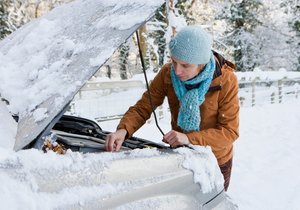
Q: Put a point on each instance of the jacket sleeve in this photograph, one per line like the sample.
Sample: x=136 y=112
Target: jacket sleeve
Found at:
x=137 y=115
x=227 y=126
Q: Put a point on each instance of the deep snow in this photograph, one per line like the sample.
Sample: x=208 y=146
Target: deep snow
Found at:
x=266 y=159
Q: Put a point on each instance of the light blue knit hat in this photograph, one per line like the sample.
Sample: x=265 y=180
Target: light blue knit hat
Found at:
x=192 y=45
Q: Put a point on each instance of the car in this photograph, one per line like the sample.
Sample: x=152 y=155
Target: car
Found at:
x=45 y=63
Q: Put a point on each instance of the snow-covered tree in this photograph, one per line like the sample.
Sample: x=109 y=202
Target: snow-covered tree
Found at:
x=18 y=13
x=4 y=27
x=12 y=16
x=273 y=34
x=242 y=18
x=15 y=13
x=158 y=28
x=292 y=9
x=278 y=40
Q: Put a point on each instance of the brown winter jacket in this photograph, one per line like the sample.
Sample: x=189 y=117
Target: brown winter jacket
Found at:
x=219 y=112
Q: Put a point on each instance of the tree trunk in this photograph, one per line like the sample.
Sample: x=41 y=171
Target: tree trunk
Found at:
x=144 y=45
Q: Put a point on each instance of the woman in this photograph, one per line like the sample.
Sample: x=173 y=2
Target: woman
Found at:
x=202 y=93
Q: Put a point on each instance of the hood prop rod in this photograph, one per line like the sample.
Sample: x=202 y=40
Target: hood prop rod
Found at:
x=147 y=84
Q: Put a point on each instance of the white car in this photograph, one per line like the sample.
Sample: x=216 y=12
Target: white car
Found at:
x=45 y=63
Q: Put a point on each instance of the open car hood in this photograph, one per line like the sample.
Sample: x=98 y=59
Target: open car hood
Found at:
x=47 y=61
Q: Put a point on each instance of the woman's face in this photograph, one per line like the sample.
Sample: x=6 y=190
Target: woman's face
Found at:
x=185 y=71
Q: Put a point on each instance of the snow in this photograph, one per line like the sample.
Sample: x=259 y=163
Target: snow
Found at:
x=210 y=177
x=8 y=128
x=31 y=179
x=32 y=69
x=40 y=114
x=266 y=159
x=261 y=75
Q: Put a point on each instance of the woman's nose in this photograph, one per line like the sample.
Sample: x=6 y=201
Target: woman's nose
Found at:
x=178 y=70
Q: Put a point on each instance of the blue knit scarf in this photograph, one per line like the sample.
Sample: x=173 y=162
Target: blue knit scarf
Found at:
x=190 y=100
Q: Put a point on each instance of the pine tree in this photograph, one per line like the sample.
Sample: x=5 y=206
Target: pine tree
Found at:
x=158 y=34
x=185 y=8
x=15 y=13
x=4 y=27
x=242 y=18
x=292 y=9
x=124 y=53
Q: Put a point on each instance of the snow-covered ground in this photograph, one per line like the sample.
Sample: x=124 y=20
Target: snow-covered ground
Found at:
x=266 y=161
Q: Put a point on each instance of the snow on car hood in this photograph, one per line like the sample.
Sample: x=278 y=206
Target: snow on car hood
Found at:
x=51 y=181
x=46 y=62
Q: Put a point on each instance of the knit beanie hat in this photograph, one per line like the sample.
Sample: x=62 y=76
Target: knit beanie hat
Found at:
x=192 y=45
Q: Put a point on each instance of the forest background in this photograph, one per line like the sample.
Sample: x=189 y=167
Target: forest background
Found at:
x=261 y=34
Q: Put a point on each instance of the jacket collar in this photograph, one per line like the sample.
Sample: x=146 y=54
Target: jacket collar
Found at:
x=219 y=63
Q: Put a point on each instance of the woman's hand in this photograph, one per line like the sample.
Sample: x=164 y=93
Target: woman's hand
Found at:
x=115 y=140
x=175 y=139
